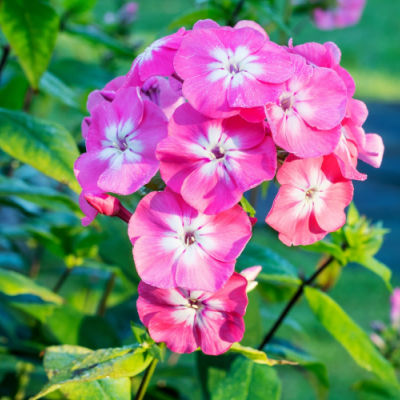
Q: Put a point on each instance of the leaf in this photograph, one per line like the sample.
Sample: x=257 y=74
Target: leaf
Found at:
x=330 y=248
x=74 y=364
x=44 y=145
x=42 y=196
x=349 y=335
x=248 y=380
x=190 y=18
x=247 y=207
x=14 y=284
x=94 y=35
x=376 y=390
x=53 y=86
x=258 y=356
x=378 y=268
x=31 y=28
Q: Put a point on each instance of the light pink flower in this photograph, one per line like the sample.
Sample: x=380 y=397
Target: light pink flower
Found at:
x=186 y=320
x=395 y=307
x=305 y=120
x=346 y=13
x=156 y=59
x=311 y=200
x=251 y=274
x=121 y=144
x=226 y=68
x=176 y=246
x=211 y=162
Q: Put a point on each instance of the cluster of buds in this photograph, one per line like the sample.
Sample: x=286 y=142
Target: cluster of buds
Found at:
x=209 y=108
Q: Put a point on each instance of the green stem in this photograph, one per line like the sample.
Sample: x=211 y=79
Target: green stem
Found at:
x=101 y=310
x=146 y=380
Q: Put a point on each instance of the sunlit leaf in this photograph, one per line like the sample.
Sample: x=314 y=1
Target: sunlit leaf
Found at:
x=377 y=268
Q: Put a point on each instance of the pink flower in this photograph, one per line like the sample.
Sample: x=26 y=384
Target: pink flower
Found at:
x=395 y=307
x=305 y=120
x=186 y=320
x=156 y=60
x=211 y=162
x=311 y=201
x=226 y=68
x=251 y=274
x=175 y=245
x=121 y=144
x=346 y=13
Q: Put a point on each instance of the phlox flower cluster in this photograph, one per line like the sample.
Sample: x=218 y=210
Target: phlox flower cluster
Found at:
x=217 y=111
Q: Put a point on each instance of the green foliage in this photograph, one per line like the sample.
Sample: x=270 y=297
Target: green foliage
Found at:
x=31 y=28
x=46 y=146
x=349 y=335
x=376 y=390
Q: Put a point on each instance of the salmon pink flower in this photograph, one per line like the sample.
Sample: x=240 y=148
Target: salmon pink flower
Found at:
x=305 y=120
x=226 y=68
x=211 y=162
x=188 y=319
x=121 y=144
x=176 y=246
x=345 y=13
x=311 y=201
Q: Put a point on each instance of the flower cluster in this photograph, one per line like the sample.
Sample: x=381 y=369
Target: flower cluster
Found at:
x=215 y=110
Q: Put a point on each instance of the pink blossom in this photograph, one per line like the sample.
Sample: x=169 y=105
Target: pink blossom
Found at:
x=188 y=319
x=211 y=162
x=311 y=200
x=121 y=144
x=345 y=13
x=395 y=307
x=156 y=59
x=175 y=245
x=226 y=68
x=305 y=120
x=251 y=274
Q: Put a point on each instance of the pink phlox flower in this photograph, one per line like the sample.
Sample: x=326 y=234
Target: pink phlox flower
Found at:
x=211 y=162
x=251 y=274
x=156 y=59
x=345 y=13
x=176 y=246
x=311 y=200
x=395 y=307
x=224 y=69
x=188 y=319
x=305 y=119
x=121 y=144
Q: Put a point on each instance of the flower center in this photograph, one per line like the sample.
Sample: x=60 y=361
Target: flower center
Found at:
x=217 y=153
x=189 y=238
x=233 y=69
x=311 y=193
x=286 y=101
x=121 y=144
x=194 y=303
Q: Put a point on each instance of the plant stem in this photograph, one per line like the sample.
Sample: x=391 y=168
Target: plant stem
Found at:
x=66 y=273
x=101 y=310
x=6 y=52
x=146 y=380
x=28 y=99
x=293 y=301
x=235 y=12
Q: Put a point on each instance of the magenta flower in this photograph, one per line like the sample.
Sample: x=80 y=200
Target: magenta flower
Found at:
x=226 y=68
x=345 y=13
x=121 y=144
x=311 y=200
x=305 y=120
x=211 y=162
x=395 y=307
x=186 y=320
x=177 y=246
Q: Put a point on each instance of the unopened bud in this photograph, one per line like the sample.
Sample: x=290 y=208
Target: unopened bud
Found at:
x=108 y=205
x=251 y=274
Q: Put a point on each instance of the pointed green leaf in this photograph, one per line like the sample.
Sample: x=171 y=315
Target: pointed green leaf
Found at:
x=31 y=28
x=349 y=335
x=247 y=207
x=378 y=268
x=44 y=145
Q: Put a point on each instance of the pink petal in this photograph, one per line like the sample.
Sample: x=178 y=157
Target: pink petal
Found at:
x=253 y=25
x=372 y=153
x=88 y=168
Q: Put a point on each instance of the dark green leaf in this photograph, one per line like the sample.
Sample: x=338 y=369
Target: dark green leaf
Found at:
x=44 y=145
x=349 y=335
x=376 y=390
x=31 y=28
x=190 y=18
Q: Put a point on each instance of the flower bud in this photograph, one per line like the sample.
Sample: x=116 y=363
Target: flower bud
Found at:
x=251 y=274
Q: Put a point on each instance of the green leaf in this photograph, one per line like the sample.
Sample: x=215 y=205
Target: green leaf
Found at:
x=53 y=86
x=330 y=248
x=31 y=28
x=191 y=17
x=74 y=364
x=14 y=284
x=378 y=268
x=248 y=380
x=376 y=390
x=349 y=335
x=44 y=145
x=247 y=207
x=42 y=196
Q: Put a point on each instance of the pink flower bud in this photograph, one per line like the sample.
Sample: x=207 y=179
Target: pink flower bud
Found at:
x=251 y=274
x=395 y=307
x=253 y=220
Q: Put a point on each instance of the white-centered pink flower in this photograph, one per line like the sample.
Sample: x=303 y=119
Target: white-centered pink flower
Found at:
x=311 y=200
x=176 y=246
x=227 y=68
x=345 y=13
x=121 y=143
x=188 y=319
x=211 y=162
x=305 y=120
